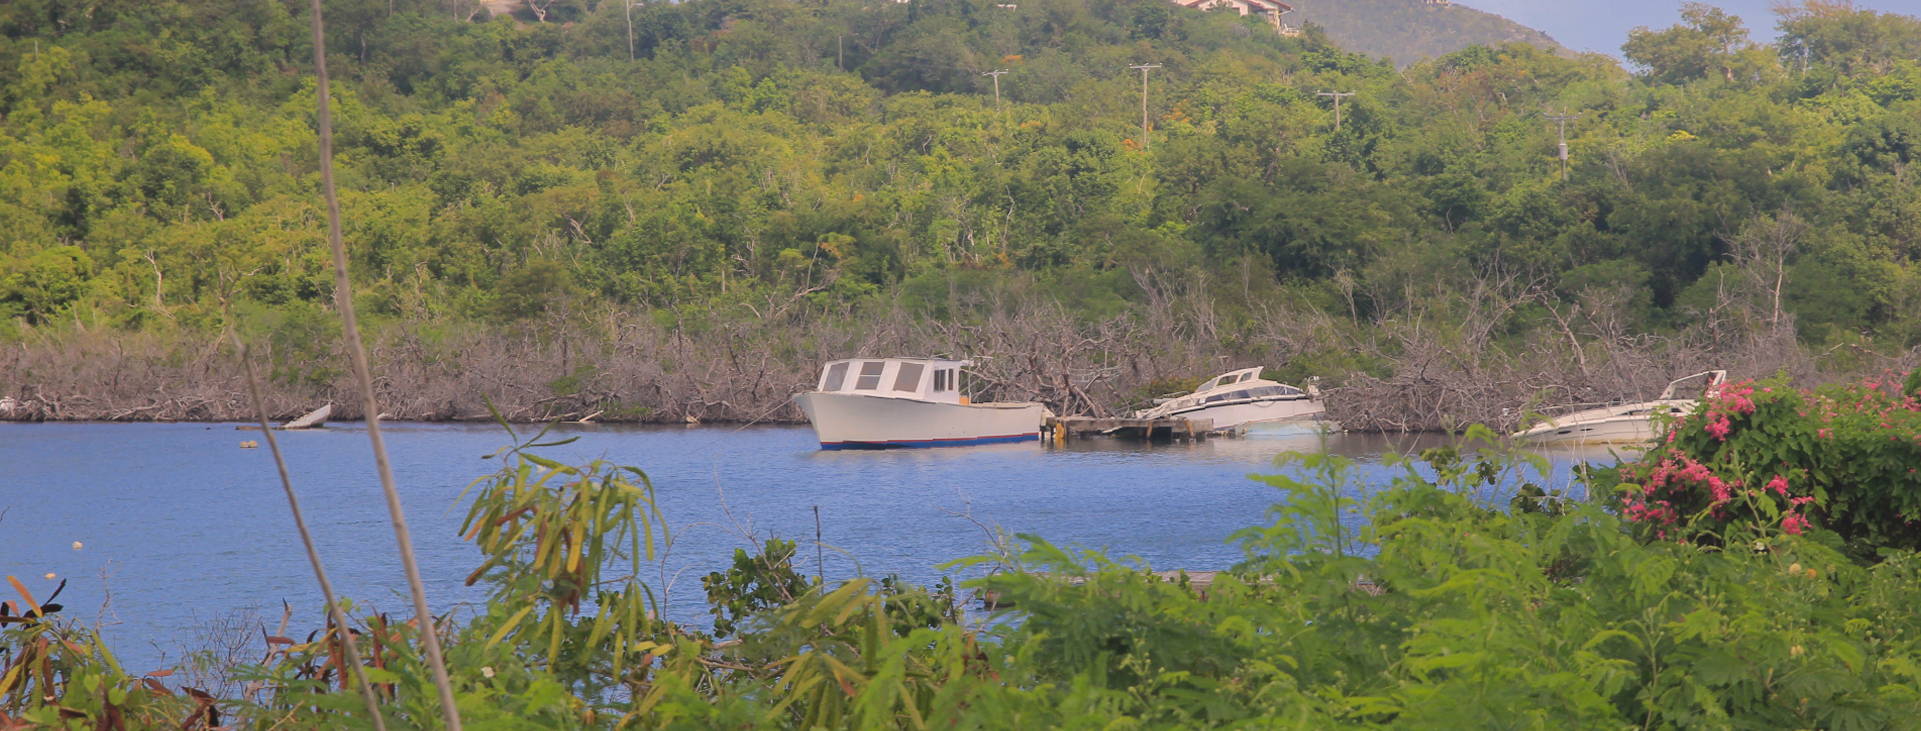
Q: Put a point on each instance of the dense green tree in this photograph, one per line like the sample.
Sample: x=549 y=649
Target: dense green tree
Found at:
x=842 y=150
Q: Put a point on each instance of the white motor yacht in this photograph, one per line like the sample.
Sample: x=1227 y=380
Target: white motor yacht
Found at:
x=1241 y=399
x=882 y=403
x=1623 y=423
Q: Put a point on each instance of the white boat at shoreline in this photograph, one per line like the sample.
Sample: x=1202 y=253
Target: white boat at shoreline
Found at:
x=885 y=403
x=1240 y=399
x=1626 y=423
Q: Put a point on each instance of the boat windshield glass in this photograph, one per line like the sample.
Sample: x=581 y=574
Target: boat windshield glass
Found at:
x=870 y=375
x=836 y=377
x=1255 y=392
x=908 y=378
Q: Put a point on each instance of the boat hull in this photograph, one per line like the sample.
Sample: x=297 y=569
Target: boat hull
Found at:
x=1623 y=424
x=1315 y=424
x=1242 y=415
x=1615 y=430
x=861 y=421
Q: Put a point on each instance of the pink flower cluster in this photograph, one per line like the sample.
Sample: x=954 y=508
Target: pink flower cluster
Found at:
x=1792 y=522
x=1678 y=481
x=1737 y=398
x=1779 y=485
x=1675 y=477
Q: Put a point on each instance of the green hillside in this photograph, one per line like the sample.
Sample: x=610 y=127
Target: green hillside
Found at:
x=811 y=179
x=1406 y=31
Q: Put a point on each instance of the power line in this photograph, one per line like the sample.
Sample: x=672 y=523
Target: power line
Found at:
x=1337 y=95
x=1146 y=144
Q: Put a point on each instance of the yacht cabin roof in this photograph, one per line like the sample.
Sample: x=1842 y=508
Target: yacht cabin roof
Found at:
x=1230 y=378
x=1237 y=386
x=923 y=379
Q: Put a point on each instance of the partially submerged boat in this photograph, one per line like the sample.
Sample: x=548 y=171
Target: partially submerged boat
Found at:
x=1241 y=400
x=315 y=419
x=1623 y=423
x=882 y=403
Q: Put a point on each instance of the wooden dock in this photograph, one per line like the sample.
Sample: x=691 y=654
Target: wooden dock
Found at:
x=1060 y=430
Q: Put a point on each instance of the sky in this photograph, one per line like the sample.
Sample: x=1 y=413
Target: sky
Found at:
x=1602 y=25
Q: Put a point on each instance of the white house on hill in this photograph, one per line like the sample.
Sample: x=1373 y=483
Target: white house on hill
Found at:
x=1268 y=10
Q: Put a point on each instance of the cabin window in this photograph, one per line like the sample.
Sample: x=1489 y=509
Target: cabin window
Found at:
x=1247 y=376
x=943 y=380
x=870 y=375
x=908 y=379
x=836 y=377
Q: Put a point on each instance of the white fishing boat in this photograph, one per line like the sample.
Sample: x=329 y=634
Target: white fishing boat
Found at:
x=1625 y=423
x=883 y=403
x=1241 y=400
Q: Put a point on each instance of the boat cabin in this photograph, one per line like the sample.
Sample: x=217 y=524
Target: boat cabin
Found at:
x=1713 y=381
x=923 y=379
x=1230 y=378
x=1244 y=385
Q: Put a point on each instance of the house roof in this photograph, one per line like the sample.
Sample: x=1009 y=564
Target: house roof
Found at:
x=1267 y=6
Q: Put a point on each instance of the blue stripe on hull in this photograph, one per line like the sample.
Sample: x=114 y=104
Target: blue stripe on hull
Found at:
x=922 y=443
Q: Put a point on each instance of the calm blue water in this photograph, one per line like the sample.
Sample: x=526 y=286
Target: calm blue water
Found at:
x=180 y=526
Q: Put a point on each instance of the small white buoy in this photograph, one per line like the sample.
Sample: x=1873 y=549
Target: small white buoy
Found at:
x=50 y=575
x=77 y=545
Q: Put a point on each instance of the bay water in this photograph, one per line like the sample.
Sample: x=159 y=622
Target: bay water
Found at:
x=171 y=534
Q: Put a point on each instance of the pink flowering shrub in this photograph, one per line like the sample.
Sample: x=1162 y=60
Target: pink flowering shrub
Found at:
x=1766 y=457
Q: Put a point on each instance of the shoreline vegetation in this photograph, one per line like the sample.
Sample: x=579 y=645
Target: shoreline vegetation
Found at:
x=1411 y=371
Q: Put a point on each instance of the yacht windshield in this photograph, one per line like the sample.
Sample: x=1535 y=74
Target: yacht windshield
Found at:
x=870 y=375
x=836 y=377
x=908 y=378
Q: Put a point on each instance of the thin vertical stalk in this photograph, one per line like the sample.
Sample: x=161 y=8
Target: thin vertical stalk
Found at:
x=363 y=376
x=306 y=539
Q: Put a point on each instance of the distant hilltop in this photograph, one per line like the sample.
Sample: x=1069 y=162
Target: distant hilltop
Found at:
x=1403 y=31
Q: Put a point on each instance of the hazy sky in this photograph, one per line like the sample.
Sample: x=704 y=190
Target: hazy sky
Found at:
x=1602 y=25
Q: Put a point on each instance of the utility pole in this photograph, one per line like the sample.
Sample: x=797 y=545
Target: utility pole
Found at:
x=1562 y=119
x=1337 y=105
x=1146 y=144
x=630 y=28
x=996 y=73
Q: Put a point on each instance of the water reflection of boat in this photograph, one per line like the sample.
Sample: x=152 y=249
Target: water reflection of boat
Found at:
x=1620 y=423
x=1307 y=427
x=1238 y=400
x=883 y=403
